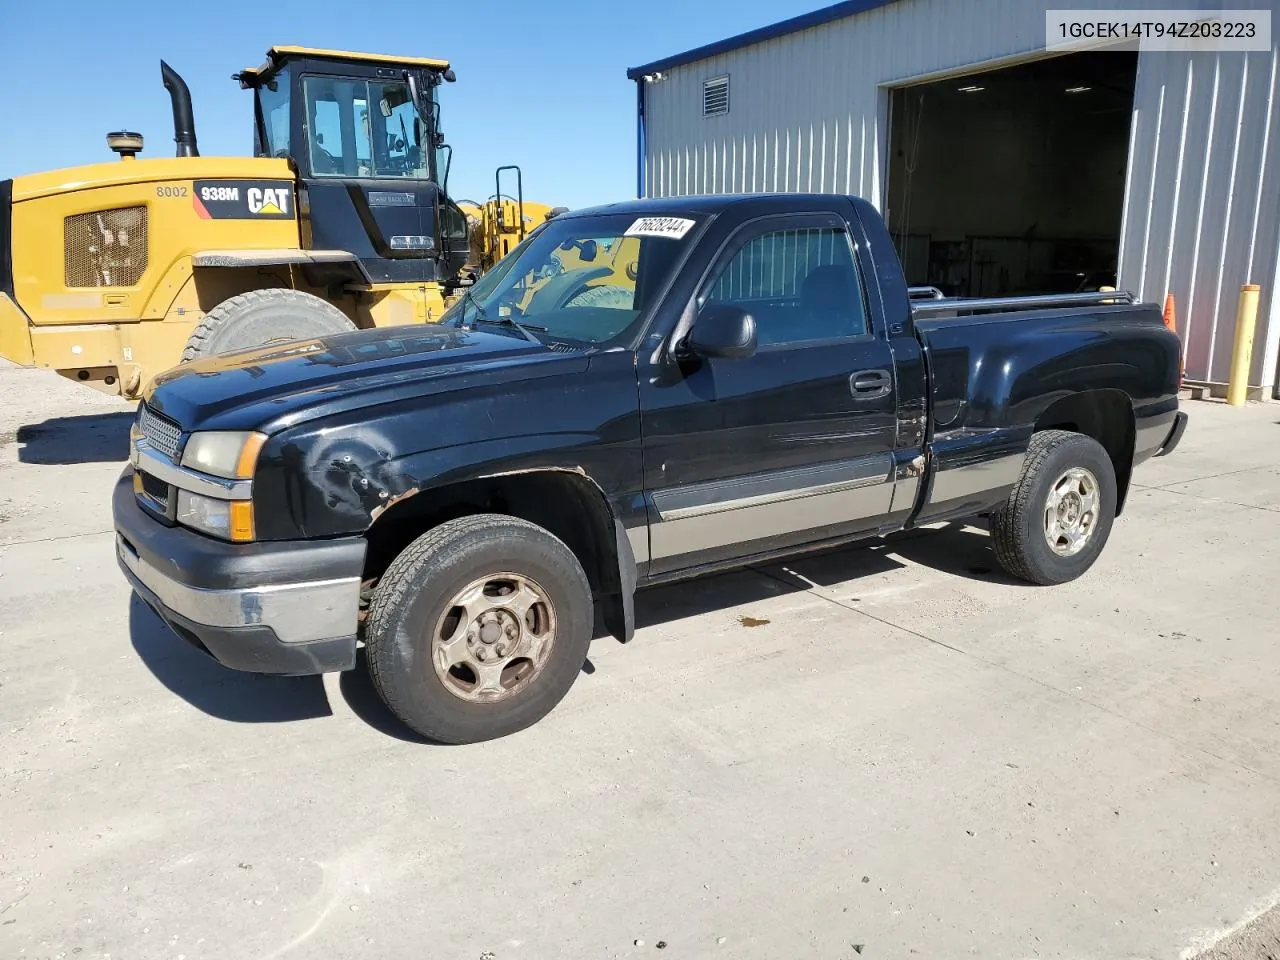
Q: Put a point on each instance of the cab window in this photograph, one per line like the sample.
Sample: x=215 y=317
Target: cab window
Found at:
x=361 y=128
x=800 y=285
x=273 y=103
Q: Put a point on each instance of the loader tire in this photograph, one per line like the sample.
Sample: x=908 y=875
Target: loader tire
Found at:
x=260 y=318
x=1059 y=514
x=611 y=297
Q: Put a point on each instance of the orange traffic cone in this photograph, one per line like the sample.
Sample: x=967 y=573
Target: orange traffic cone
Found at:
x=1171 y=321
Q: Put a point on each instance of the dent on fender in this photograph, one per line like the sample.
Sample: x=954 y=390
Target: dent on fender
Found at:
x=356 y=478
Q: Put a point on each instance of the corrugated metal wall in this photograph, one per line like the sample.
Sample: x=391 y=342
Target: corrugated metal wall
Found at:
x=1202 y=214
x=809 y=112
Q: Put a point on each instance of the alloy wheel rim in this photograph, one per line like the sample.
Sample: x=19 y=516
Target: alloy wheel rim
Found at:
x=1071 y=511
x=494 y=638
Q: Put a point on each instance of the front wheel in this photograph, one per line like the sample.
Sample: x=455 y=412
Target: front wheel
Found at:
x=479 y=628
x=1059 y=514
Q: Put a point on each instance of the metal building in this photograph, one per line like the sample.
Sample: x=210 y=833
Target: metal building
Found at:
x=1171 y=171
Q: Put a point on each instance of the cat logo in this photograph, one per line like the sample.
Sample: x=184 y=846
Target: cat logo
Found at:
x=268 y=202
x=242 y=200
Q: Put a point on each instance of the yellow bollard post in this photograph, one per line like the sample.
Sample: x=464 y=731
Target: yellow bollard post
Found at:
x=1242 y=352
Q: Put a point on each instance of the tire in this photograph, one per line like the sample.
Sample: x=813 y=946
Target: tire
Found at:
x=262 y=317
x=617 y=298
x=1021 y=527
x=418 y=600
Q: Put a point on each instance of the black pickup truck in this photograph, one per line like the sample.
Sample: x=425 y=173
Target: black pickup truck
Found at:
x=639 y=393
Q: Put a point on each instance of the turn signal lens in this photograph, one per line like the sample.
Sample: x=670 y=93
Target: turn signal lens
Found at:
x=248 y=461
x=241 y=520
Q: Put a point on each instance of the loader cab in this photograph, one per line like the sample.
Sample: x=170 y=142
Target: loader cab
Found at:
x=363 y=133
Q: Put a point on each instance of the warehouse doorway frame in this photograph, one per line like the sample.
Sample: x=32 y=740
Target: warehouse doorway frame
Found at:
x=981 y=253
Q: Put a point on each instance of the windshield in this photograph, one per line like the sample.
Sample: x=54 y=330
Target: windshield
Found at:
x=581 y=279
x=364 y=128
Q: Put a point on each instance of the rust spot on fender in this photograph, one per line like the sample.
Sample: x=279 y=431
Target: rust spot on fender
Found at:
x=515 y=473
x=382 y=508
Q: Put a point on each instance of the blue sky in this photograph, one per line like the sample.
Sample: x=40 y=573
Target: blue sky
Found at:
x=541 y=84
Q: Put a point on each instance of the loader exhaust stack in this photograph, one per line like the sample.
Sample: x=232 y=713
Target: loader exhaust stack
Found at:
x=184 y=121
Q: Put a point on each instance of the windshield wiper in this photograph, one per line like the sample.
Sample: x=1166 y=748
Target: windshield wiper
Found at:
x=470 y=295
x=524 y=328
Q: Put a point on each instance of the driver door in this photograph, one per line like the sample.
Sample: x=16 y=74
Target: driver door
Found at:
x=746 y=455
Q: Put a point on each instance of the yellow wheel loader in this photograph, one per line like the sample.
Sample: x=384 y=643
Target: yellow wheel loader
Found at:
x=113 y=272
x=501 y=222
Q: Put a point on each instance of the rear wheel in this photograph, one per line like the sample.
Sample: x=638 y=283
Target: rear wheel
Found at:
x=479 y=628
x=260 y=318
x=1059 y=514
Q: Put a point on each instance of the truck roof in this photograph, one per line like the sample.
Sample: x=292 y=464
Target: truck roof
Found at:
x=708 y=203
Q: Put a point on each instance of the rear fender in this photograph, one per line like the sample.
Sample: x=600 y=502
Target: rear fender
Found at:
x=994 y=384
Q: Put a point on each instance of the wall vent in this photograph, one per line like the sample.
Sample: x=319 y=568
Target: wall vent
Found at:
x=715 y=97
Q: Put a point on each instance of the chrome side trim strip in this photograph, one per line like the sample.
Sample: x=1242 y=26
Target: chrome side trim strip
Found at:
x=777 y=517
x=976 y=478
x=905 y=492
x=639 y=537
x=777 y=486
x=296 y=612
x=146 y=458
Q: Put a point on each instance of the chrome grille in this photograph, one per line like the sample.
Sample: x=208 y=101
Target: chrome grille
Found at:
x=161 y=433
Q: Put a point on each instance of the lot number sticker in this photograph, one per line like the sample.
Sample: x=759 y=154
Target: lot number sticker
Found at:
x=671 y=227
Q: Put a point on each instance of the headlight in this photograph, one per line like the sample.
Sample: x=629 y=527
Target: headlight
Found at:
x=232 y=454
x=225 y=519
x=135 y=434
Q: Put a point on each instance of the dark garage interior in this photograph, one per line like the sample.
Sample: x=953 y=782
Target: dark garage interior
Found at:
x=1011 y=181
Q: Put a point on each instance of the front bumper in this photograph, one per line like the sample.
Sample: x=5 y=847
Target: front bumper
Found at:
x=283 y=607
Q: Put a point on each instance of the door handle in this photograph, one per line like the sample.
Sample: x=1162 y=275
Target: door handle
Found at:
x=869 y=384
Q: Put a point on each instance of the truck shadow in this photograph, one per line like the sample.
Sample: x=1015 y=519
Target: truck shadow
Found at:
x=212 y=688
x=93 y=438
x=956 y=549
x=359 y=694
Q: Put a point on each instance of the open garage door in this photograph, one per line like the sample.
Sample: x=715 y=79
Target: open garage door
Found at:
x=1011 y=181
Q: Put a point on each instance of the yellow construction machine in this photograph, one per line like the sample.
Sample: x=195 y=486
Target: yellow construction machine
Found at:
x=112 y=272
x=501 y=222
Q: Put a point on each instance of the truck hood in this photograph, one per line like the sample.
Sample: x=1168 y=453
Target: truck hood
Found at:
x=271 y=388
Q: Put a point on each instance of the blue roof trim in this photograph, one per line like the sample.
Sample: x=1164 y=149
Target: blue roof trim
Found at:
x=837 y=11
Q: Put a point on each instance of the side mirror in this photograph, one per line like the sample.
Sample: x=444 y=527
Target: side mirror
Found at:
x=723 y=330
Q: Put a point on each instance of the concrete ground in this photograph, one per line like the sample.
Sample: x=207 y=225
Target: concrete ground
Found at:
x=879 y=752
